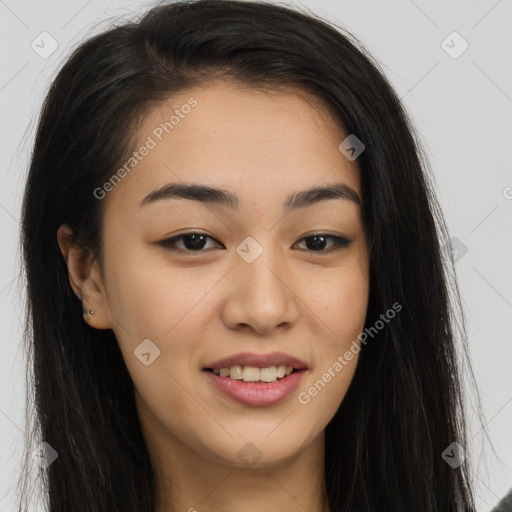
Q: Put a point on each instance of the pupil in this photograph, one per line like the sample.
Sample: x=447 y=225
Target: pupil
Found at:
x=316 y=246
x=198 y=241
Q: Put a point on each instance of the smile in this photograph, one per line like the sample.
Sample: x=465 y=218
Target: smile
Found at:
x=254 y=374
x=256 y=379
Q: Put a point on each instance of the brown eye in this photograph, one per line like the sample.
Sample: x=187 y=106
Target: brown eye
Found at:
x=318 y=242
x=191 y=242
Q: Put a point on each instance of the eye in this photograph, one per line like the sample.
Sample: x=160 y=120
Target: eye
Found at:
x=196 y=242
x=317 y=242
x=192 y=241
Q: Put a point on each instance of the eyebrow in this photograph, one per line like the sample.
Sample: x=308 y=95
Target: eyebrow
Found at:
x=221 y=197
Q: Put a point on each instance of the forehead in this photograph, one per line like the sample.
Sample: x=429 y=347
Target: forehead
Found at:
x=254 y=142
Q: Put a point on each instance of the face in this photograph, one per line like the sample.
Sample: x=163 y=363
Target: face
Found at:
x=271 y=278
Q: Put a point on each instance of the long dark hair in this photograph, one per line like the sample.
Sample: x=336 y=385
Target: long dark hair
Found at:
x=405 y=405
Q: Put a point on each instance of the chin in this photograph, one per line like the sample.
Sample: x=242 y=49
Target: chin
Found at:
x=261 y=451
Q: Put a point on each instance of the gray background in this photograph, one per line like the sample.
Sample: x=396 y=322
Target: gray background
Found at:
x=462 y=108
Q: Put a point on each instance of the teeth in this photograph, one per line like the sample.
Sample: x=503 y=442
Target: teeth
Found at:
x=268 y=374
x=253 y=374
x=235 y=372
x=250 y=374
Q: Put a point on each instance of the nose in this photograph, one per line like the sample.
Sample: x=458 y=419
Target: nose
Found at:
x=260 y=296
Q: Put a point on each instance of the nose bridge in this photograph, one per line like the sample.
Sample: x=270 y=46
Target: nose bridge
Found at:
x=260 y=296
x=260 y=273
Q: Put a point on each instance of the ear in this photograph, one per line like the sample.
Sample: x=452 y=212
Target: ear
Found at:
x=85 y=279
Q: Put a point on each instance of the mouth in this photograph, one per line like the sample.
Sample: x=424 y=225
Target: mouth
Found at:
x=256 y=380
x=250 y=367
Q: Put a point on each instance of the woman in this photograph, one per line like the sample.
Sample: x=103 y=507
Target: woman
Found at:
x=237 y=294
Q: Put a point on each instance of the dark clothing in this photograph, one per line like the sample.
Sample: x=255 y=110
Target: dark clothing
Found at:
x=505 y=505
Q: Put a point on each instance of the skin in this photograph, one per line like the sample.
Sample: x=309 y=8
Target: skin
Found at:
x=200 y=307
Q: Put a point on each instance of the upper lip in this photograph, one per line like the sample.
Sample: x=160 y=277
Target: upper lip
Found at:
x=258 y=361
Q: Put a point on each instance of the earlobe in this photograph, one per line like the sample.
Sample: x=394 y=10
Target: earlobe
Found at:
x=94 y=308
x=85 y=279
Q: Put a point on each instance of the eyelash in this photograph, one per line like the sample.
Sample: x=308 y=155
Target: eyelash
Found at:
x=170 y=243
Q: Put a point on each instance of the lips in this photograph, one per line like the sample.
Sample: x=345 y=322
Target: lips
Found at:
x=257 y=361
x=256 y=379
x=254 y=394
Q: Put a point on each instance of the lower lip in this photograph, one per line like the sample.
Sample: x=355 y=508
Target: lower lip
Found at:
x=257 y=394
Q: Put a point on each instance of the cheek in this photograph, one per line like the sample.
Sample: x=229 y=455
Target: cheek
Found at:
x=156 y=327
x=340 y=303
x=170 y=317
x=336 y=352
x=339 y=298
x=153 y=300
